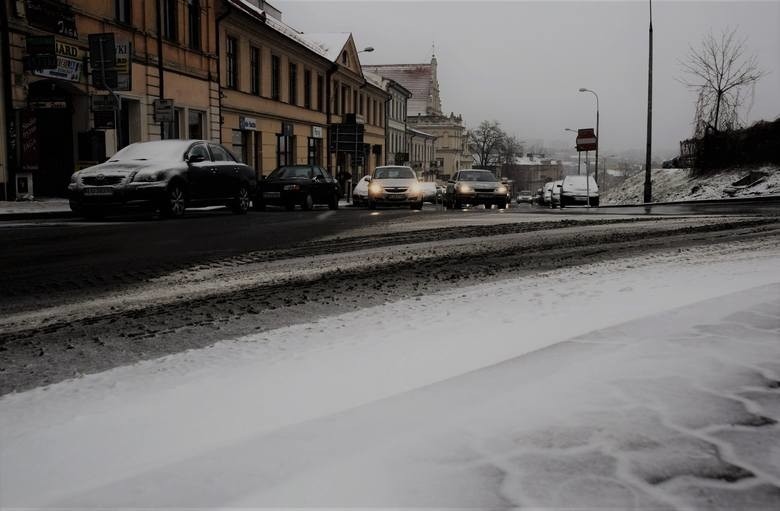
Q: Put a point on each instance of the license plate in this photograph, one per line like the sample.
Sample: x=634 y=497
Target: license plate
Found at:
x=484 y=195
x=98 y=192
x=396 y=196
x=271 y=195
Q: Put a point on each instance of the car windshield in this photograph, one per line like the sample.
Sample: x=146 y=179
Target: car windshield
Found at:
x=161 y=150
x=394 y=173
x=291 y=173
x=476 y=175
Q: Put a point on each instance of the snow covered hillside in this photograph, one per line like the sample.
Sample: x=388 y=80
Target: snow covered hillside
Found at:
x=677 y=185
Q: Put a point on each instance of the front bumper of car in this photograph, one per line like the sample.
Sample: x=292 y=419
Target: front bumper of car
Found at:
x=480 y=197
x=125 y=195
x=385 y=197
x=576 y=200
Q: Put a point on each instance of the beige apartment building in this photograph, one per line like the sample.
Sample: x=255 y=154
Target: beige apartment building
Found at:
x=56 y=118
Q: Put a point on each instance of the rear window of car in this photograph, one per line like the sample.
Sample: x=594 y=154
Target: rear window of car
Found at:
x=292 y=173
x=394 y=173
x=476 y=175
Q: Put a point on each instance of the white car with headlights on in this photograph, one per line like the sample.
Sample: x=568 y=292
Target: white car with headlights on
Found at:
x=473 y=186
x=395 y=185
x=360 y=192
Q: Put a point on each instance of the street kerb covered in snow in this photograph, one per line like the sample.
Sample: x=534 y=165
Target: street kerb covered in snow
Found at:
x=647 y=382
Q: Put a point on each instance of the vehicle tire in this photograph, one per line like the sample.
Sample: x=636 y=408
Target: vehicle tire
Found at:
x=371 y=204
x=308 y=202
x=417 y=206
x=456 y=204
x=502 y=205
x=175 y=201
x=241 y=203
x=290 y=206
x=333 y=203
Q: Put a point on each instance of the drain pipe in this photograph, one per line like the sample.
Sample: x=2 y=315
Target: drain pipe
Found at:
x=217 y=20
x=160 y=67
x=10 y=116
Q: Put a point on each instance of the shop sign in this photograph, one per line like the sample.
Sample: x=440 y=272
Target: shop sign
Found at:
x=67 y=69
x=316 y=132
x=45 y=105
x=52 y=16
x=41 y=52
x=163 y=110
x=29 y=142
x=247 y=124
x=112 y=58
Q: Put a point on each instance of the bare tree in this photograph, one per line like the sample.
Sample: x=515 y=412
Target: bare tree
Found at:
x=485 y=143
x=509 y=149
x=719 y=71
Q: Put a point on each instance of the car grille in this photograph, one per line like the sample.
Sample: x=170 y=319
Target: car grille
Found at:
x=396 y=189
x=104 y=181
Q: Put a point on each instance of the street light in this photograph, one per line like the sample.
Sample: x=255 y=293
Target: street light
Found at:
x=648 y=181
x=598 y=142
x=367 y=49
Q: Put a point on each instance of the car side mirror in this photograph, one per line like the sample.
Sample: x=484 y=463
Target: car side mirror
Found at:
x=196 y=158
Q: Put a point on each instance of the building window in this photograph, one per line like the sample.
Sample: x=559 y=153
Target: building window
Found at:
x=123 y=11
x=293 y=86
x=354 y=101
x=232 y=62
x=275 y=77
x=239 y=145
x=193 y=17
x=361 y=104
x=169 y=19
x=320 y=93
x=344 y=58
x=306 y=88
x=315 y=151
x=284 y=150
x=173 y=129
x=254 y=70
x=195 y=122
x=344 y=95
x=337 y=105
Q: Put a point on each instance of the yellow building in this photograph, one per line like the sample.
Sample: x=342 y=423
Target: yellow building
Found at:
x=55 y=117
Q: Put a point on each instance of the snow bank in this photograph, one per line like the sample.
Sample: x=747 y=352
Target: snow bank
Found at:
x=677 y=185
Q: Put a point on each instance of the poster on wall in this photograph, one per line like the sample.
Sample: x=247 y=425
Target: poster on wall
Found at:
x=29 y=142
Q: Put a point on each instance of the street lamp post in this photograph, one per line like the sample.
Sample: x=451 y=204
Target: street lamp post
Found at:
x=598 y=141
x=648 y=181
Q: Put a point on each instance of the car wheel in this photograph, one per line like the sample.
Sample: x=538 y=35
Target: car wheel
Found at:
x=175 y=202
x=241 y=202
x=417 y=206
x=456 y=204
x=371 y=204
x=334 y=202
x=502 y=205
x=289 y=206
x=308 y=202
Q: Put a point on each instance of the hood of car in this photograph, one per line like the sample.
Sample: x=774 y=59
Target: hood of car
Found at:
x=395 y=183
x=481 y=185
x=125 y=167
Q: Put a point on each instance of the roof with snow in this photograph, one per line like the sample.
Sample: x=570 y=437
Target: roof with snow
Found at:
x=329 y=44
x=419 y=79
x=374 y=79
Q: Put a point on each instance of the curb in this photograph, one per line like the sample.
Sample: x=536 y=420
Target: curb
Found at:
x=35 y=215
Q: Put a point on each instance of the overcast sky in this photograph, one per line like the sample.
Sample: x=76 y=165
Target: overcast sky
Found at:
x=522 y=63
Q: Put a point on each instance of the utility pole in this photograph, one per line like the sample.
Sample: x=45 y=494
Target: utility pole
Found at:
x=648 y=181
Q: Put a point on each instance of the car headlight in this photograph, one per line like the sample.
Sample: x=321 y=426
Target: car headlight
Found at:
x=415 y=189
x=375 y=188
x=74 y=178
x=147 y=177
x=465 y=189
x=501 y=189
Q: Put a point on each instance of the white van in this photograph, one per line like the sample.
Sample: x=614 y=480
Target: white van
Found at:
x=576 y=190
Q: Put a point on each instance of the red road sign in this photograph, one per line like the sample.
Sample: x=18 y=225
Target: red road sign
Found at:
x=586 y=140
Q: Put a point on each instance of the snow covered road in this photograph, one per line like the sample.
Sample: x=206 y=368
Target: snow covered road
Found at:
x=647 y=382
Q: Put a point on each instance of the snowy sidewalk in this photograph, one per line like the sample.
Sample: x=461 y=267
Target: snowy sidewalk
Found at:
x=649 y=382
x=39 y=208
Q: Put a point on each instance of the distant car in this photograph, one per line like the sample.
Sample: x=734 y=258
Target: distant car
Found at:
x=555 y=194
x=575 y=190
x=525 y=196
x=395 y=185
x=539 y=198
x=430 y=191
x=169 y=175
x=304 y=185
x=547 y=193
x=360 y=192
x=474 y=186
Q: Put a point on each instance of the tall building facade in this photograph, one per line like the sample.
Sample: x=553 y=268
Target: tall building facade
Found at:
x=424 y=113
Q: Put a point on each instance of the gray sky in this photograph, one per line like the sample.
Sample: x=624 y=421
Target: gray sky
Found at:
x=522 y=63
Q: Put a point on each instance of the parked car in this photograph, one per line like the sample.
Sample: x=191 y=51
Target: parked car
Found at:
x=360 y=192
x=473 y=186
x=430 y=192
x=525 y=196
x=555 y=194
x=577 y=189
x=304 y=185
x=167 y=175
x=395 y=185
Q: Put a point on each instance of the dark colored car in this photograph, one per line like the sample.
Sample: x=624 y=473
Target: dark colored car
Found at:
x=168 y=175
x=304 y=185
x=474 y=186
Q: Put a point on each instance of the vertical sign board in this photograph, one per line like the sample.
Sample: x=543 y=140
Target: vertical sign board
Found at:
x=29 y=141
x=586 y=140
x=53 y=16
x=67 y=64
x=123 y=65
x=163 y=110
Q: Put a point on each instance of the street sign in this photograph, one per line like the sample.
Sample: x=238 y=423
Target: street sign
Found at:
x=41 y=52
x=102 y=51
x=586 y=140
x=163 y=110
